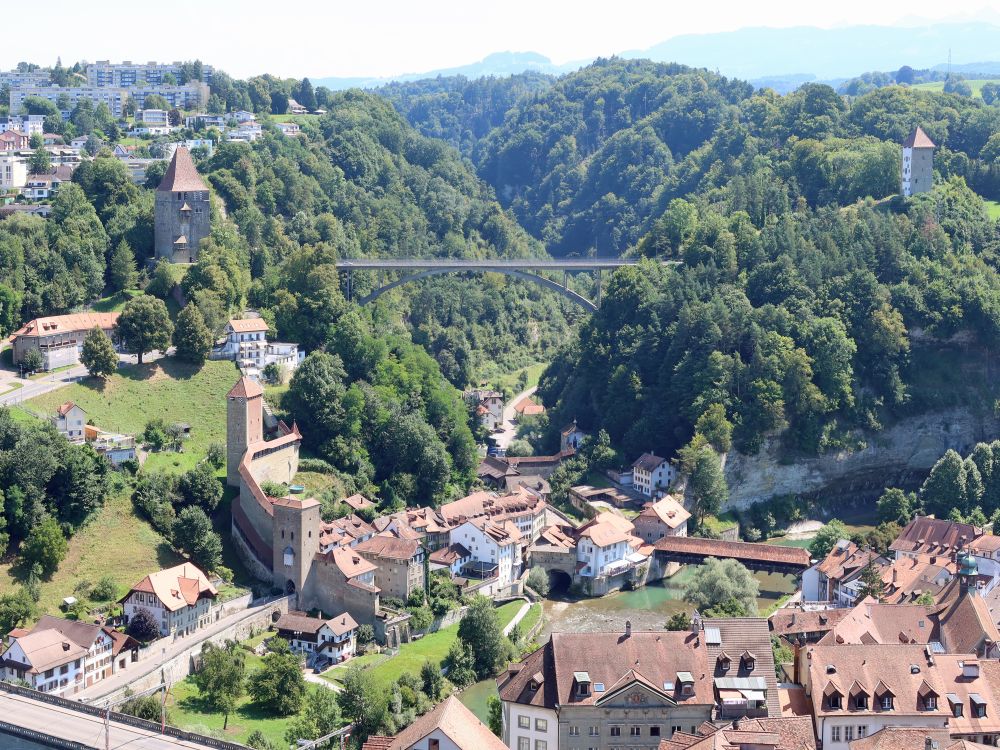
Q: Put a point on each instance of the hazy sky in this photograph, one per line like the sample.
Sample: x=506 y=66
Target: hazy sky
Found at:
x=388 y=37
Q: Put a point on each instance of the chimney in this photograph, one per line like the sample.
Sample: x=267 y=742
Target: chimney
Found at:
x=628 y=628
x=793 y=618
x=930 y=744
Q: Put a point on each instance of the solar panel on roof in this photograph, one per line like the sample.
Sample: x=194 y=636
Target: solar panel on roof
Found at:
x=713 y=637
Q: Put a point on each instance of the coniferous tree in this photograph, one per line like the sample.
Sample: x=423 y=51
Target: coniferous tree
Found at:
x=191 y=336
x=122 y=272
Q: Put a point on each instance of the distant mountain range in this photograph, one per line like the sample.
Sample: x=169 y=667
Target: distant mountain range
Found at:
x=782 y=58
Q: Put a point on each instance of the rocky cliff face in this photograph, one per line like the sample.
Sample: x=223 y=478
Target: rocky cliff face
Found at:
x=899 y=456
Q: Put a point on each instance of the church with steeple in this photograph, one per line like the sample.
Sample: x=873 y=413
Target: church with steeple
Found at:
x=182 y=216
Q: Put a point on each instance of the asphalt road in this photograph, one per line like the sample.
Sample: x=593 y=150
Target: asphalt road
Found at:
x=88 y=730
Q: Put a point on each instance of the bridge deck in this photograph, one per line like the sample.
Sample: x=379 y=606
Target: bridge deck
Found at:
x=567 y=264
x=64 y=723
x=685 y=548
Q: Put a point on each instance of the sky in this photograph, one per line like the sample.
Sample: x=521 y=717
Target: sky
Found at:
x=320 y=38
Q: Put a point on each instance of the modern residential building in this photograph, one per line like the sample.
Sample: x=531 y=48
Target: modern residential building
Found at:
x=188 y=96
x=65 y=656
x=28 y=124
x=59 y=338
x=651 y=473
x=42 y=187
x=152 y=117
x=637 y=689
x=288 y=128
x=448 y=726
x=322 y=641
x=182 y=211
x=13 y=171
x=70 y=421
x=918 y=163
x=246 y=344
x=399 y=564
x=665 y=517
x=180 y=598
x=17 y=78
x=14 y=140
x=127 y=74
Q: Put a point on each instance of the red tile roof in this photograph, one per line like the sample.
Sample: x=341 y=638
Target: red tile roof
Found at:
x=246 y=388
x=181 y=175
x=763 y=553
x=918 y=139
x=56 y=324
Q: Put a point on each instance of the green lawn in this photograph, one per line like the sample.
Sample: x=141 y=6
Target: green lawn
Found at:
x=509 y=379
x=528 y=621
x=115 y=302
x=993 y=209
x=411 y=657
x=172 y=390
x=115 y=542
x=975 y=85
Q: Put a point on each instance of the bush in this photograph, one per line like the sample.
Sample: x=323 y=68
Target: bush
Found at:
x=216 y=455
x=104 y=590
x=538 y=581
x=143 y=626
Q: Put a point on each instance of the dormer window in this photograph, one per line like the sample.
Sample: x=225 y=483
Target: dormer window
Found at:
x=724 y=662
x=833 y=701
x=582 y=680
x=886 y=702
x=860 y=702
x=978 y=705
x=955 y=703
x=748 y=660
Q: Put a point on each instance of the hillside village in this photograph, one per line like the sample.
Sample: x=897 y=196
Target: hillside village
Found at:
x=882 y=636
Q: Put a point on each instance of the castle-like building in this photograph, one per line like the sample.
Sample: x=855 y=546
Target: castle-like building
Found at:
x=181 y=211
x=278 y=538
x=918 y=163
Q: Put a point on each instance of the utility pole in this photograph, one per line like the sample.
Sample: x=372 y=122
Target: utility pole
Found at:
x=109 y=704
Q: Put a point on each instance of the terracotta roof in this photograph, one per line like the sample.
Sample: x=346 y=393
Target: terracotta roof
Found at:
x=904 y=670
x=656 y=659
x=344 y=530
x=604 y=530
x=302 y=623
x=54 y=641
x=768 y=553
x=934 y=536
x=790 y=621
x=918 y=139
x=492 y=505
x=902 y=738
x=177 y=587
x=181 y=174
x=871 y=622
x=74 y=322
x=556 y=536
x=844 y=557
x=794 y=701
x=668 y=511
x=246 y=388
x=528 y=406
x=906 y=578
x=494 y=468
x=450 y=554
x=456 y=722
x=248 y=325
x=985 y=544
x=390 y=547
x=648 y=462
x=377 y=742
x=502 y=534
x=358 y=502
x=65 y=408
x=965 y=622
x=350 y=563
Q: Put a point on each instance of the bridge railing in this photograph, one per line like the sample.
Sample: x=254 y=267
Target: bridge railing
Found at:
x=120 y=718
x=41 y=737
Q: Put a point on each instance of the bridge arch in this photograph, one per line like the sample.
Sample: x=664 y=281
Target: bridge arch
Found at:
x=568 y=293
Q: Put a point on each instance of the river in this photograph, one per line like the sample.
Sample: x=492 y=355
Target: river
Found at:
x=647 y=608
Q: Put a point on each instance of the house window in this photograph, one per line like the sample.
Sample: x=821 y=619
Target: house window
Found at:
x=834 y=701
x=834 y=734
x=862 y=730
x=861 y=702
x=635 y=732
x=574 y=731
x=523 y=722
x=930 y=703
x=654 y=731
x=956 y=710
x=541 y=745
x=848 y=734
x=616 y=731
x=433 y=744
x=595 y=731
x=886 y=702
x=674 y=729
x=979 y=710
x=523 y=743
x=541 y=725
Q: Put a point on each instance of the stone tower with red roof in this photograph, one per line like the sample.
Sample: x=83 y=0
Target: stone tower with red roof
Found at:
x=918 y=163
x=181 y=212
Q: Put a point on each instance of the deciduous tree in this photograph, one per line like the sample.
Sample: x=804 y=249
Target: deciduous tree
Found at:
x=144 y=325
x=191 y=336
x=278 y=686
x=222 y=677
x=99 y=355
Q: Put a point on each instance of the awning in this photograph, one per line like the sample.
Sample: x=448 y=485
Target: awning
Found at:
x=753 y=695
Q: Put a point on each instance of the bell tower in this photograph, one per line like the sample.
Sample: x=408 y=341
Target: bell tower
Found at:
x=244 y=424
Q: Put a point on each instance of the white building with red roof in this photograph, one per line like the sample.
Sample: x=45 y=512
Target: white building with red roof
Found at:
x=180 y=598
x=59 y=338
x=246 y=344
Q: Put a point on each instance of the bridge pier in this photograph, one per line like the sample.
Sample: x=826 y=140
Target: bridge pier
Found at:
x=599 y=280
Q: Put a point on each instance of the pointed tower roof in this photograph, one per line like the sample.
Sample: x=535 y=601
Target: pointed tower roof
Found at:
x=181 y=174
x=918 y=139
x=245 y=388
